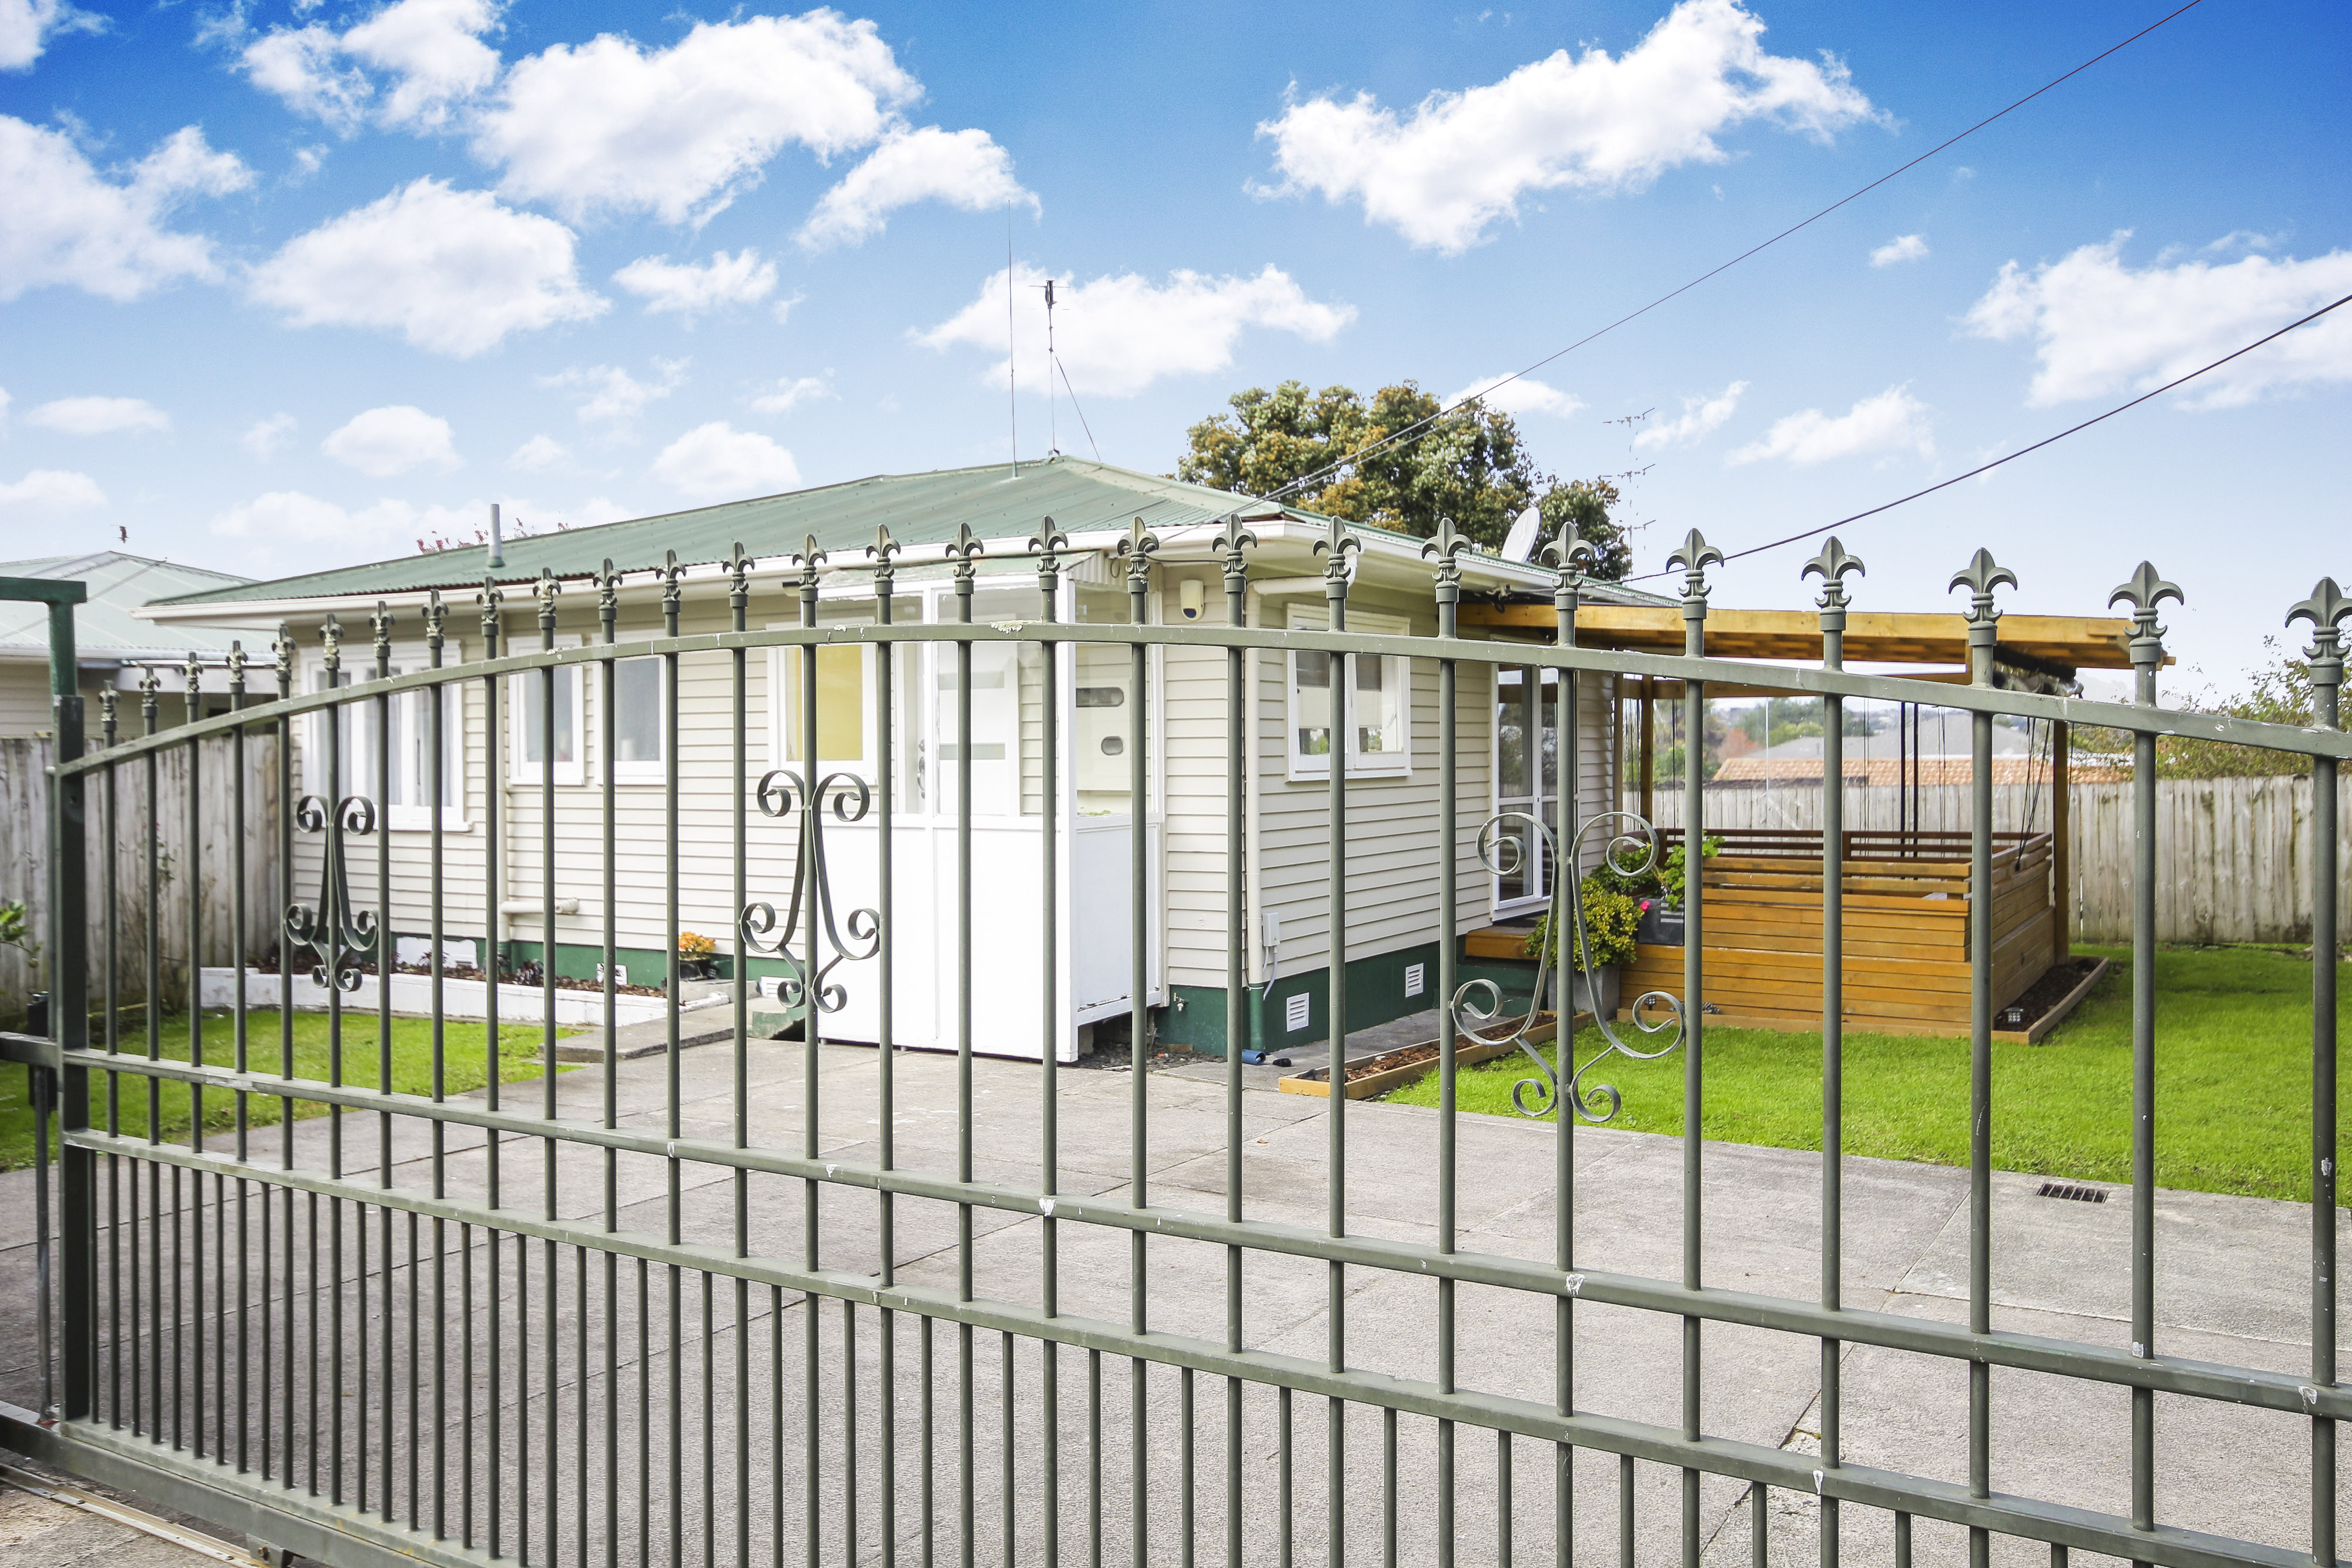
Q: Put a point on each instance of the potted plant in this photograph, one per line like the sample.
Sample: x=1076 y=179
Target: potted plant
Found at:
x=697 y=956
x=1611 y=917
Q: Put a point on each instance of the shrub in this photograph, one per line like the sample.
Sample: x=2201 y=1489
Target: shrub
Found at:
x=1611 y=918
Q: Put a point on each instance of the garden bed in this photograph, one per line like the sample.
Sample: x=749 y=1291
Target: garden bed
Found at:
x=1371 y=1076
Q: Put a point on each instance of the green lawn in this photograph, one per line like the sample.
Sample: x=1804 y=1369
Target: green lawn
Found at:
x=465 y=1065
x=2232 y=1089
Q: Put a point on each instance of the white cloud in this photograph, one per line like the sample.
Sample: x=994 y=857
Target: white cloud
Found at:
x=435 y=48
x=453 y=271
x=2101 y=327
x=1902 y=248
x=608 y=394
x=392 y=440
x=26 y=26
x=539 y=454
x=965 y=168
x=297 y=66
x=99 y=415
x=4 y=400
x=789 y=393
x=284 y=518
x=430 y=50
x=266 y=435
x=719 y=462
x=1894 y=420
x=688 y=291
x=64 y=223
x=1524 y=395
x=1701 y=416
x=52 y=491
x=1460 y=163
x=611 y=126
x=1118 y=335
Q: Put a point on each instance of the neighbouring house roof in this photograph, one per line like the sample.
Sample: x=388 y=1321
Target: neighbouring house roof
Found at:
x=1759 y=771
x=106 y=630
x=922 y=511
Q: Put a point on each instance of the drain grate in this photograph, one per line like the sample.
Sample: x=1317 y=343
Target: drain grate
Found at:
x=2068 y=1190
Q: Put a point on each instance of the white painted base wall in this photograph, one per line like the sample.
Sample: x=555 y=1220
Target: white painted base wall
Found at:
x=459 y=999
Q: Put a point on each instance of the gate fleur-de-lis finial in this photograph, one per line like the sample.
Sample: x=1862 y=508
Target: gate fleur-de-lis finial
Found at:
x=672 y=573
x=1832 y=566
x=965 y=550
x=1231 y=540
x=331 y=643
x=380 y=638
x=738 y=585
x=150 y=686
x=236 y=663
x=2326 y=610
x=1138 y=548
x=1339 y=542
x=490 y=598
x=544 y=590
x=1980 y=577
x=1445 y=547
x=1046 y=544
x=1573 y=561
x=191 y=672
x=2144 y=592
x=808 y=557
x=435 y=614
x=107 y=717
x=281 y=655
x=1695 y=555
x=608 y=599
x=883 y=548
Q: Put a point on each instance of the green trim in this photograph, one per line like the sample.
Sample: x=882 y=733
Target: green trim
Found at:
x=1375 y=995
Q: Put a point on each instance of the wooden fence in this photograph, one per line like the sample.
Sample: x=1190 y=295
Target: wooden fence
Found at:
x=2234 y=856
x=24 y=871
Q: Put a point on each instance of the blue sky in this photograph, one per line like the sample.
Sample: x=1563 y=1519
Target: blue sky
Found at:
x=289 y=286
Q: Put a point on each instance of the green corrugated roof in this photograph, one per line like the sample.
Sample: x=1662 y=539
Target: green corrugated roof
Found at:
x=104 y=626
x=918 y=509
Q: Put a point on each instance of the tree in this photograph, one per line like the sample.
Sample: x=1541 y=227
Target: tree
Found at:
x=2277 y=692
x=1469 y=464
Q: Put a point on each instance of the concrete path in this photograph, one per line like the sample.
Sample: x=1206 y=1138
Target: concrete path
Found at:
x=2233 y=1287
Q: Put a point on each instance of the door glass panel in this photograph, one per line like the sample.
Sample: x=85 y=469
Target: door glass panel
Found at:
x=1105 y=692
x=1511 y=734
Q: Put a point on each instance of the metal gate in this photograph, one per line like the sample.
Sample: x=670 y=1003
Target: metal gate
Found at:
x=630 y=1319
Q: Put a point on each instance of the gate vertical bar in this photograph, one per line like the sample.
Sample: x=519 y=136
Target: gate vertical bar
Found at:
x=1229 y=543
x=1832 y=566
x=608 y=614
x=1048 y=542
x=1573 y=558
x=1138 y=548
x=1447 y=592
x=809 y=886
x=1693 y=556
x=738 y=604
x=2144 y=592
x=386 y=953
x=436 y=698
x=1340 y=543
x=1982 y=576
x=965 y=550
x=548 y=588
x=885 y=660
x=2324 y=609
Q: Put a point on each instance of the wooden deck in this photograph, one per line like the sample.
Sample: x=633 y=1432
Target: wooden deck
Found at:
x=1907 y=930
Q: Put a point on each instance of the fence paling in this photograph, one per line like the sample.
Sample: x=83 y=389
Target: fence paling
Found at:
x=25 y=787
x=1379 y=1415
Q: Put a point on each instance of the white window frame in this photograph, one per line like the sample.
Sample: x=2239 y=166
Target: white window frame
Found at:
x=632 y=772
x=1303 y=767
x=781 y=671
x=522 y=774
x=361 y=774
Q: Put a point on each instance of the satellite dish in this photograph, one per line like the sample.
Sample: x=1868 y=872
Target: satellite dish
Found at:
x=1521 y=543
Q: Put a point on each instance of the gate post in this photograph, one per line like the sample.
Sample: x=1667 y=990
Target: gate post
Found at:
x=69 y=984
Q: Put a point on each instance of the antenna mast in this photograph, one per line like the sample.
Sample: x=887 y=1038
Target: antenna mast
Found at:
x=1052 y=426
x=1012 y=387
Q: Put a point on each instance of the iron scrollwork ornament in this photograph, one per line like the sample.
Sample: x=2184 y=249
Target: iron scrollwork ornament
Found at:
x=782 y=792
x=1632 y=852
x=343 y=936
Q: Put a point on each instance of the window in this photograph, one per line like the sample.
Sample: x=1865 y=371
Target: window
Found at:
x=408 y=798
x=1374 y=713
x=844 y=693
x=637 y=721
x=527 y=715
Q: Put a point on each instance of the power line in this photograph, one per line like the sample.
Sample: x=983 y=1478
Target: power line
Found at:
x=1418 y=425
x=2045 y=441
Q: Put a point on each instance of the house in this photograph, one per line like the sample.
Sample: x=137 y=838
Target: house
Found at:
x=1506 y=725
x=112 y=645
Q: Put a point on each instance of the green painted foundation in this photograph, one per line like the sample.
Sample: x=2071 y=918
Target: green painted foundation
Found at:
x=1376 y=995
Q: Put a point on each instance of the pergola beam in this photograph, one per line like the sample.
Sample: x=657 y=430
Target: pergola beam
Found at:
x=1875 y=637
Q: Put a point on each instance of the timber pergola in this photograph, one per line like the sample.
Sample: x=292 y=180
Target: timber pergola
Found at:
x=2032 y=650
